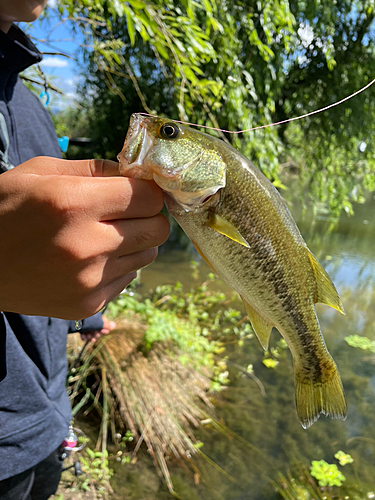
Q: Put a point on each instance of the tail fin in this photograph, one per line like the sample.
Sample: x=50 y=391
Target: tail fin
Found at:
x=316 y=397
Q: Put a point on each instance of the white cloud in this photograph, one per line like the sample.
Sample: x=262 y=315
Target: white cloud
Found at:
x=54 y=62
x=52 y=3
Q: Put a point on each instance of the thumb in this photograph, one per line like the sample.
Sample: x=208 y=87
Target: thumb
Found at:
x=46 y=165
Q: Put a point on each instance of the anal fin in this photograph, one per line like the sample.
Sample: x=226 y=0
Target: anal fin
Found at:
x=326 y=292
x=260 y=326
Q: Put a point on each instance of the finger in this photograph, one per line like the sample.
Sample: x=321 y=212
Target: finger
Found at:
x=124 y=198
x=136 y=261
x=102 y=198
x=136 y=235
x=45 y=165
x=124 y=268
x=115 y=287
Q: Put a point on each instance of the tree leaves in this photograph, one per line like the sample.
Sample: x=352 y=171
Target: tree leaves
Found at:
x=236 y=65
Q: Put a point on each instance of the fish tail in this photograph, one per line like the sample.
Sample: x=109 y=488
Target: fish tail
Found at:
x=324 y=396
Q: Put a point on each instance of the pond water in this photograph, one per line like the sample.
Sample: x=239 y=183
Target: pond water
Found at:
x=269 y=435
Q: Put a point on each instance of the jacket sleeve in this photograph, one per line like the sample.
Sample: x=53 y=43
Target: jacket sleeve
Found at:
x=92 y=323
x=3 y=368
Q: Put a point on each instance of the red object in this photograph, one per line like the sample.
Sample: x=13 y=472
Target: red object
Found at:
x=71 y=439
x=69 y=444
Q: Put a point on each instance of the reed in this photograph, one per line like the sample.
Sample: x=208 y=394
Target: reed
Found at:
x=154 y=395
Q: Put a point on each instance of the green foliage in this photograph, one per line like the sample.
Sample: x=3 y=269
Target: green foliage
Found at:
x=237 y=65
x=326 y=474
x=361 y=342
x=343 y=458
x=196 y=324
x=299 y=484
x=191 y=323
x=271 y=356
x=97 y=472
x=270 y=362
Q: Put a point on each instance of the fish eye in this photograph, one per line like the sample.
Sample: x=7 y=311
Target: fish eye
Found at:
x=169 y=131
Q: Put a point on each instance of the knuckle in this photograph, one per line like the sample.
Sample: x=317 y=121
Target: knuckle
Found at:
x=151 y=195
x=59 y=201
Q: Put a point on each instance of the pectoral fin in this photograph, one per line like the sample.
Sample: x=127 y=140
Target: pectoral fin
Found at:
x=326 y=292
x=224 y=227
x=260 y=326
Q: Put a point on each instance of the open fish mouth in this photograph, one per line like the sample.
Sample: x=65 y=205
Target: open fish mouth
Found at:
x=136 y=147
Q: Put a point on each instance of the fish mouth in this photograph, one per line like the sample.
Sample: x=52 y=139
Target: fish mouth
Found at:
x=136 y=147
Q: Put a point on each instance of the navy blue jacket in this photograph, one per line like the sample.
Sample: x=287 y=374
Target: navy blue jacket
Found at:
x=34 y=407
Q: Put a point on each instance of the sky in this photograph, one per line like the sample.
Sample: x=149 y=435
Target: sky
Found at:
x=63 y=72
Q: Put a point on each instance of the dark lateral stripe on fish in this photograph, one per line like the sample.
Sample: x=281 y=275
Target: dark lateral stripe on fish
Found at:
x=312 y=366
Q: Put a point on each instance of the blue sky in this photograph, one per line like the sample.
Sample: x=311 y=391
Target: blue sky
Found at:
x=49 y=35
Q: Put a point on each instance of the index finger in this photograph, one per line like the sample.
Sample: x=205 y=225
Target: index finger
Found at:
x=97 y=186
x=46 y=165
x=124 y=198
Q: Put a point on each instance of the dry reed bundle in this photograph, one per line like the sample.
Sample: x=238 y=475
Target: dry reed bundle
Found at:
x=156 y=397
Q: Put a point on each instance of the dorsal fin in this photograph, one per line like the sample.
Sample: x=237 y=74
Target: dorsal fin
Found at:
x=260 y=326
x=325 y=292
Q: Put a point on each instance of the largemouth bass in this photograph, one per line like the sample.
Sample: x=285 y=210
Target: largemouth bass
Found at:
x=240 y=226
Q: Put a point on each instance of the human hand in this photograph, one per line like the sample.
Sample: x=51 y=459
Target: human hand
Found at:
x=94 y=335
x=73 y=234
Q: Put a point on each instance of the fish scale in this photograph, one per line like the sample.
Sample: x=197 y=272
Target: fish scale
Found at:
x=239 y=224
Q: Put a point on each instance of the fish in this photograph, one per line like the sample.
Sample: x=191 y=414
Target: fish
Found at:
x=239 y=224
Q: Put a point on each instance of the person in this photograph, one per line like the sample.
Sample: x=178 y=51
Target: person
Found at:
x=73 y=234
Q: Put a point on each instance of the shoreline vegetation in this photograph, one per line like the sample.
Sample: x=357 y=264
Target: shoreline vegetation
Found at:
x=147 y=388
x=150 y=382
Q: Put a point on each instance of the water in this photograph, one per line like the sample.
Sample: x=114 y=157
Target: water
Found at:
x=270 y=424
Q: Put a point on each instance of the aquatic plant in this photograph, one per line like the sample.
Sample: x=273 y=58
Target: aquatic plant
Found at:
x=326 y=474
x=96 y=471
x=360 y=342
x=183 y=337
x=321 y=481
x=270 y=362
x=343 y=458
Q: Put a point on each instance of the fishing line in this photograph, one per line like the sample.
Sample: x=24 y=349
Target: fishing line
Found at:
x=276 y=123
